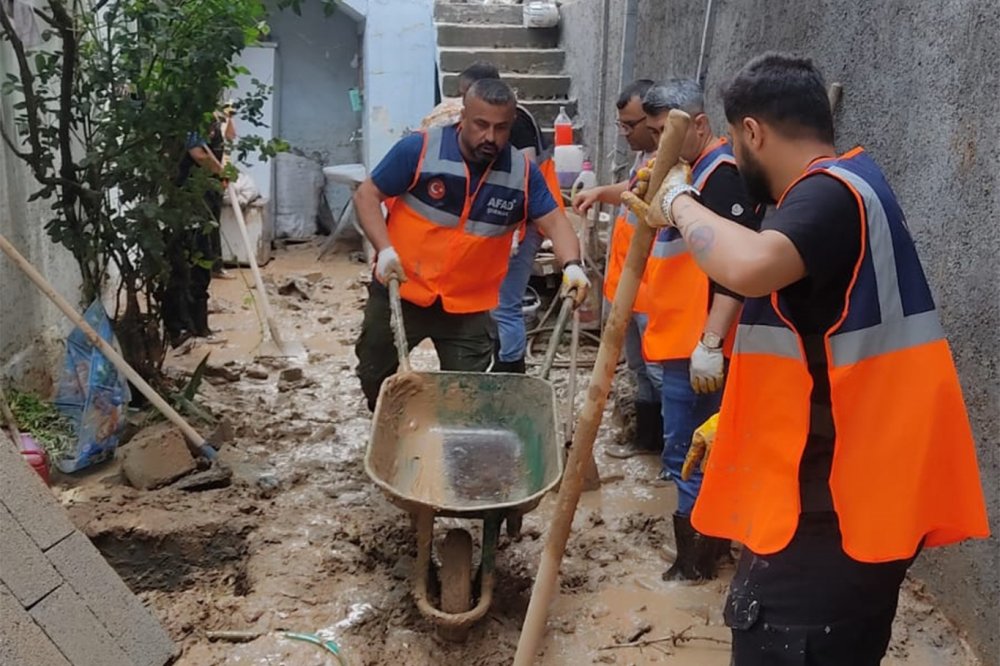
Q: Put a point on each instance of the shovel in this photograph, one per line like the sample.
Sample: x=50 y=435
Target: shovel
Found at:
x=198 y=445
x=546 y=582
x=291 y=348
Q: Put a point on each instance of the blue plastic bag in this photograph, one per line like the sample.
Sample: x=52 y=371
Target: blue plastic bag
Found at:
x=93 y=394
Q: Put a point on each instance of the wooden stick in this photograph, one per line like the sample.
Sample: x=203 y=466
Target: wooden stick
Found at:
x=198 y=445
x=546 y=581
x=265 y=304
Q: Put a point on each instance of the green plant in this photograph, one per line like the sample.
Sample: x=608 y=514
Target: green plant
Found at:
x=104 y=106
x=41 y=419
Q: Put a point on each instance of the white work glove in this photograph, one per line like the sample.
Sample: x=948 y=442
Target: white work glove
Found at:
x=707 y=369
x=388 y=265
x=575 y=281
x=515 y=243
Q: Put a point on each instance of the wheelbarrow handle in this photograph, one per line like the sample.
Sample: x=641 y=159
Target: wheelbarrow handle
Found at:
x=550 y=353
x=398 y=328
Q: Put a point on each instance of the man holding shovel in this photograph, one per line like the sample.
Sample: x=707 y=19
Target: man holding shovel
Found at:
x=843 y=412
x=632 y=125
x=462 y=192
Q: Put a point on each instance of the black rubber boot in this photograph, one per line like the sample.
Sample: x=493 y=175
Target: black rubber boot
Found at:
x=199 y=316
x=706 y=557
x=648 y=426
x=516 y=367
x=684 y=567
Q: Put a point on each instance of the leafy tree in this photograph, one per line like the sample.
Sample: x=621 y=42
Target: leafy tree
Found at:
x=105 y=102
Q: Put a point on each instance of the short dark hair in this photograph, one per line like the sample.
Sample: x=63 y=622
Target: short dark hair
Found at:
x=637 y=88
x=492 y=91
x=783 y=90
x=479 y=70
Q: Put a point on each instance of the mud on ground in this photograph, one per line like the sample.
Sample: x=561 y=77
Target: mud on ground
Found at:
x=304 y=541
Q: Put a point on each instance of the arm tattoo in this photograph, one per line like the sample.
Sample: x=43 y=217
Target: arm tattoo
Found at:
x=701 y=239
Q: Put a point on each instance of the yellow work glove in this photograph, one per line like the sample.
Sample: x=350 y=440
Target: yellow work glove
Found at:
x=656 y=215
x=701 y=446
x=575 y=282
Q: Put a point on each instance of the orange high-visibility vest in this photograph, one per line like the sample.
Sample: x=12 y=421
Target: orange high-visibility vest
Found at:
x=679 y=288
x=904 y=462
x=621 y=238
x=454 y=244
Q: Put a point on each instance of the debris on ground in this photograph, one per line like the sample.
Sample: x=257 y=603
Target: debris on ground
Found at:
x=156 y=457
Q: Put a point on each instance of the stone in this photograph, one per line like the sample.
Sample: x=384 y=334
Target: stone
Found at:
x=157 y=456
x=230 y=372
x=291 y=374
x=257 y=373
x=217 y=476
x=223 y=433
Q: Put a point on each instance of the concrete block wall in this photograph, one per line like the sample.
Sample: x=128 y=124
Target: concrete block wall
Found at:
x=920 y=93
x=60 y=602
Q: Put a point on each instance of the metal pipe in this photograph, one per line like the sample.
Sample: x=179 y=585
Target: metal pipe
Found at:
x=699 y=74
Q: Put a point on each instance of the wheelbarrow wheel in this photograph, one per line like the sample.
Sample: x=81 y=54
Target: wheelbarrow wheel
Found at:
x=456 y=580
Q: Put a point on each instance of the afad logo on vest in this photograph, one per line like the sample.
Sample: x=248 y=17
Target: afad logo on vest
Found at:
x=435 y=188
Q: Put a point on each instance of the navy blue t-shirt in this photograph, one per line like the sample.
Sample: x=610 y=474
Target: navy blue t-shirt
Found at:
x=394 y=175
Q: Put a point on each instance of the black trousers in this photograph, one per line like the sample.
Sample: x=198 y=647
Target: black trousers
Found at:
x=463 y=342
x=811 y=604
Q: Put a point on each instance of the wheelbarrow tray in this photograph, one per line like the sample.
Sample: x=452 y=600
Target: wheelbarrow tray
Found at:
x=465 y=444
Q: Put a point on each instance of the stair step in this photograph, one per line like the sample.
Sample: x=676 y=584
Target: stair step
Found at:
x=526 y=86
x=496 y=36
x=546 y=110
x=463 y=12
x=533 y=61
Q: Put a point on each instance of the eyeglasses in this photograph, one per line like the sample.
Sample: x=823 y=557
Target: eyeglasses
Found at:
x=627 y=126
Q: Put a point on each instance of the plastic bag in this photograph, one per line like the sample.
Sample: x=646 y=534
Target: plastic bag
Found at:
x=540 y=14
x=93 y=394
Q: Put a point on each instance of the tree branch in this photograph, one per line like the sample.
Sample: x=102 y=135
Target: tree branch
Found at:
x=28 y=91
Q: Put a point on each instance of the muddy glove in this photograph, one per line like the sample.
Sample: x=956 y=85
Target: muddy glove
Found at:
x=701 y=447
x=707 y=368
x=387 y=265
x=575 y=281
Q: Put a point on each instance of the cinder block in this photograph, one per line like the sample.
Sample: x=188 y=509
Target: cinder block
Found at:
x=132 y=625
x=156 y=456
x=23 y=567
x=22 y=642
x=76 y=632
x=28 y=499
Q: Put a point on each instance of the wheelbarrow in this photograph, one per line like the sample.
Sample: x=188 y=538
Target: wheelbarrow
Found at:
x=476 y=446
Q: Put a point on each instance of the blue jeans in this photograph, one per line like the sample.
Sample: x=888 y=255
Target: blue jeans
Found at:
x=648 y=374
x=507 y=314
x=683 y=411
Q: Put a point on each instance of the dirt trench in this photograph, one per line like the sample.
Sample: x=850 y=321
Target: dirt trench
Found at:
x=303 y=541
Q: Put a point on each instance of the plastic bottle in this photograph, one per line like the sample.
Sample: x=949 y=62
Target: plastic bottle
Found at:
x=564 y=128
x=569 y=164
x=587 y=178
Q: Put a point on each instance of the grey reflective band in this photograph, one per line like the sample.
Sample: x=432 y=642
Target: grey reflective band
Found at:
x=667 y=249
x=889 y=336
x=433 y=163
x=435 y=215
x=487 y=229
x=879 y=245
x=770 y=340
x=721 y=158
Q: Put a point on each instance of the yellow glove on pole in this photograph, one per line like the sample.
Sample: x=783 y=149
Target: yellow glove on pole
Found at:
x=547 y=580
x=701 y=446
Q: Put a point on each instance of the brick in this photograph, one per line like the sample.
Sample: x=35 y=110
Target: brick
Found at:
x=75 y=631
x=156 y=456
x=133 y=627
x=22 y=642
x=23 y=567
x=28 y=499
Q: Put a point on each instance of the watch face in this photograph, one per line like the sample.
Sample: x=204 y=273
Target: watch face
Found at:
x=711 y=340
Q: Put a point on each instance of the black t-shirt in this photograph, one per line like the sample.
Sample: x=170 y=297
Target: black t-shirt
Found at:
x=725 y=195
x=523 y=134
x=821 y=218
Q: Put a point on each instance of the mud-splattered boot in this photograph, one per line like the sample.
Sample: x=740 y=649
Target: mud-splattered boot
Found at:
x=685 y=566
x=648 y=433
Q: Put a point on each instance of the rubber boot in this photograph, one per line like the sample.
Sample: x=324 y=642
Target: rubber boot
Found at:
x=648 y=433
x=724 y=552
x=684 y=567
x=199 y=317
x=706 y=557
x=516 y=367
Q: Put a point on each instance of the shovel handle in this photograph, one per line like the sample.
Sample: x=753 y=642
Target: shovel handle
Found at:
x=398 y=328
x=550 y=353
x=196 y=443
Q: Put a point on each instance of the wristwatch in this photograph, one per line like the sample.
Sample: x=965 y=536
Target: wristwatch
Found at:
x=673 y=193
x=711 y=340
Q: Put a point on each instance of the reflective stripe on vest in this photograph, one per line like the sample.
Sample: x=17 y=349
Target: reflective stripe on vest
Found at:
x=899 y=419
x=454 y=244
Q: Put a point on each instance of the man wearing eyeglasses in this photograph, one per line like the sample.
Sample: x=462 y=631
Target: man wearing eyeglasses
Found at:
x=632 y=125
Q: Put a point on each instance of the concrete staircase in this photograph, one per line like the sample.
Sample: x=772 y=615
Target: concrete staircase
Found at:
x=529 y=59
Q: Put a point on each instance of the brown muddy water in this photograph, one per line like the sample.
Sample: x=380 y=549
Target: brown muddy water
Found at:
x=304 y=541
